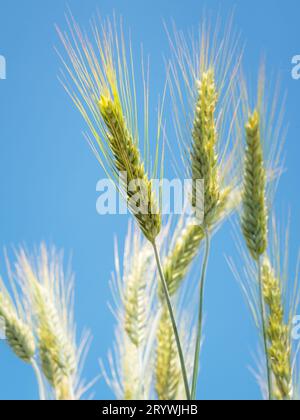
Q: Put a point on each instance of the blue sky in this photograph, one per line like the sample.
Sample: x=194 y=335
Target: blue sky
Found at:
x=48 y=175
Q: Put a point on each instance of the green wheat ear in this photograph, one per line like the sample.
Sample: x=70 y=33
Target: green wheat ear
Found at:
x=204 y=157
x=18 y=334
x=280 y=346
x=254 y=219
x=168 y=374
x=101 y=82
x=127 y=160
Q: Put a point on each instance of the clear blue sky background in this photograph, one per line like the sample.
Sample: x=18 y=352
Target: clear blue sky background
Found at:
x=48 y=174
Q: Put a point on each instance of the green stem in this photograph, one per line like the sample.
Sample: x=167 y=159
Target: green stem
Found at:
x=264 y=330
x=200 y=316
x=173 y=321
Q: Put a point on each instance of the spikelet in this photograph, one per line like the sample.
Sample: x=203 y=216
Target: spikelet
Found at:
x=278 y=333
x=51 y=297
x=204 y=159
x=18 y=332
x=168 y=373
x=101 y=83
x=255 y=219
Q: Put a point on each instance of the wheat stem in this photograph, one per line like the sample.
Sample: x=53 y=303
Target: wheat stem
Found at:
x=39 y=379
x=172 y=318
x=200 y=315
x=264 y=329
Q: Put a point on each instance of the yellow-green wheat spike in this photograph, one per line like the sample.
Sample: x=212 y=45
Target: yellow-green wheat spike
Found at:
x=278 y=334
x=101 y=82
x=168 y=374
x=128 y=160
x=18 y=334
x=204 y=156
x=255 y=219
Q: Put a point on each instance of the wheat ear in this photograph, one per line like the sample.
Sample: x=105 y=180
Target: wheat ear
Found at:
x=255 y=219
x=51 y=296
x=204 y=159
x=128 y=161
x=18 y=333
x=278 y=334
x=168 y=373
x=58 y=361
x=103 y=89
x=135 y=309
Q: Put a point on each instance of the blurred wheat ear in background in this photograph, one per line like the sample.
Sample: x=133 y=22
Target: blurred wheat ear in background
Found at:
x=278 y=334
x=18 y=330
x=42 y=330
